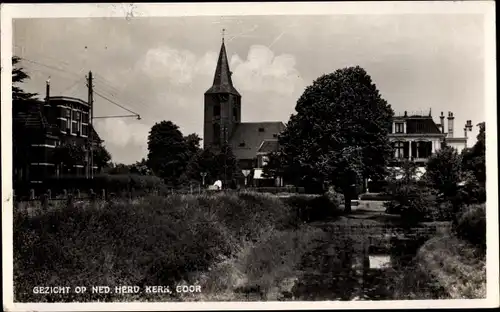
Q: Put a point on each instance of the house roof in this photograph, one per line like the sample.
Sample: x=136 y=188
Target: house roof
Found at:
x=222 y=78
x=269 y=146
x=248 y=137
x=33 y=119
x=419 y=124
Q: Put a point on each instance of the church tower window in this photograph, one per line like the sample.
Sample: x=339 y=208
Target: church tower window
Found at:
x=217 y=110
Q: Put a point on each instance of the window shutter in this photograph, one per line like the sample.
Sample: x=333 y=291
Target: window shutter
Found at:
x=406 y=146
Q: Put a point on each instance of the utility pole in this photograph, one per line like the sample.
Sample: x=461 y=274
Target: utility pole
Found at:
x=91 y=134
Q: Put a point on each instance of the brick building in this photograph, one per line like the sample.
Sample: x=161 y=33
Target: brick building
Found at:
x=45 y=126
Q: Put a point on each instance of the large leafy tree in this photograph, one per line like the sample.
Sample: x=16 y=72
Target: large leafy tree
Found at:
x=168 y=154
x=339 y=133
x=193 y=143
x=443 y=171
x=203 y=162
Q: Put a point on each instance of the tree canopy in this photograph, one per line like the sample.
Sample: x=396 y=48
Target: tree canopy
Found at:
x=168 y=153
x=474 y=159
x=339 y=133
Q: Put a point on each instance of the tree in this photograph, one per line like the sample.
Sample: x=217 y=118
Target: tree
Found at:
x=140 y=167
x=193 y=143
x=101 y=157
x=21 y=101
x=168 y=154
x=203 y=162
x=339 y=133
x=443 y=171
x=274 y=167
x=474 y=159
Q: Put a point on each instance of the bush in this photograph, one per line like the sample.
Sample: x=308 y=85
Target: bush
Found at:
x=471 y=225
x=413 y=202
x=313 y=208
x=153 y=241
x=119 y=184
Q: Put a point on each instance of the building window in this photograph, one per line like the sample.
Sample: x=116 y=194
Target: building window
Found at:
x=399 y=127
x=217 y=110
x=85 y=117
x=74 y=127
x=68 y=113
x=63 y=124
x=399 y=150
x=261 y=129
x=242 y=144
x=85 y=130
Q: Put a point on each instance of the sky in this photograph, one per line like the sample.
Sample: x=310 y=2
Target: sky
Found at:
x=160 y=67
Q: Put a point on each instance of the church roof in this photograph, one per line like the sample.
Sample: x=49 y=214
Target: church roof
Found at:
x=222 y=78
x=248 y=137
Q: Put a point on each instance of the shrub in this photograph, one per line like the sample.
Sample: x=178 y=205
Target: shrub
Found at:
x=471 y=225
x=153 y=241
x=313 y=208
x=412 y=201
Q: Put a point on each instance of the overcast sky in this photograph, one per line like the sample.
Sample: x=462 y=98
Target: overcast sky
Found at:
x=160 y=67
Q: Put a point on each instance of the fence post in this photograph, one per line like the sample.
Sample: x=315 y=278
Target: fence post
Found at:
x=191 y=189
x=45 y=202
x=49 y=194
x=32 y=194
x=69 y=204
x=103 y=194
x=78 y=193
x=65 y=193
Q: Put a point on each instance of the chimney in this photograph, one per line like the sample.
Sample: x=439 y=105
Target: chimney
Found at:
x=47 y=91
x=450 y=124
x=442 y=122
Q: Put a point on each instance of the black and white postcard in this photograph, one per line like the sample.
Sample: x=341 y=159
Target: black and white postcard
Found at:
x=214 y=156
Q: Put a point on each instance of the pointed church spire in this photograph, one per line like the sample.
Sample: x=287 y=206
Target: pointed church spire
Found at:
x=222 y=78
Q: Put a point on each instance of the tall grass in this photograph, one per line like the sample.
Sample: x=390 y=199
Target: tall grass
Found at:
x=250 y=239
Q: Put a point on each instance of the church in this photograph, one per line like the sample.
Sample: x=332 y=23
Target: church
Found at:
x=250 y=141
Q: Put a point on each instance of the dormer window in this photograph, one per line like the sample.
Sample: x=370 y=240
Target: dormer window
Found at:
x=261 y=130
x=242 y=144
x=399 y=127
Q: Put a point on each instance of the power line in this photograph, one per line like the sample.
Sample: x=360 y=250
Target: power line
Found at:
x=72 y=85
x=113 y=102
x=49 y=66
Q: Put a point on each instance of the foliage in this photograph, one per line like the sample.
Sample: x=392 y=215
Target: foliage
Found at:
x=340 y=132
x=410 y=197
x=471 y=225
x=140 y=167
x=69 y=154
x=443 y=171
x=202 y=162
x=227 y=165
x=193 y=143
x=474 y=159
x=19 y=75
x=87 y=246
x=168 y=153
x=101 y=156
x=275 y=165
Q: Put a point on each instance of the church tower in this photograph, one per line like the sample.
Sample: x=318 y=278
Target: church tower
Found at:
x=222 y=105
